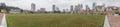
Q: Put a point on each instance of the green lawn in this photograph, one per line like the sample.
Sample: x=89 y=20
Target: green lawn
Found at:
x=54 y=20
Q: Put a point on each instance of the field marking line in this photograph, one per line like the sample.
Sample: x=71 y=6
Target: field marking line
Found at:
x=106 y=22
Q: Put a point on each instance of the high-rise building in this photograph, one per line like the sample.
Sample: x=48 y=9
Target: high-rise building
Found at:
x=2 y=4
x=33 y=7
x=81 y=6
x=42 y=9
x=80 y=9
x=53 y=7
x=94 y=5
x=78 y=6
x=64 y=11
x=103 y=7
x=87 y=7
x=76 y=9
x=57 y=9
x=71 y=8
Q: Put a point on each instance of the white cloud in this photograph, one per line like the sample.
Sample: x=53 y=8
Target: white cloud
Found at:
x=25 y=4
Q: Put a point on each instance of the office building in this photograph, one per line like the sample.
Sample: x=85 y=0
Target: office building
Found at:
x=53 y=7
x=42 y=10
x=94 y=5
x=71 y=8
x=33 y=7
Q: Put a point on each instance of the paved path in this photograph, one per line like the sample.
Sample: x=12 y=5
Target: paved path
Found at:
x=3 y=21
x=106 y=22
x=114 y=21
x=1 y=16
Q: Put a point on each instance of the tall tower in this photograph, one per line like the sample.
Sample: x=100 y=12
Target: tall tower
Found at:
x=81 y=6
x=76 y=9
x=64 y=11
x=71 y=8
x=33 y=7
x=94 y=5
x=57 y=9
x=87 y=7
x=53 y=7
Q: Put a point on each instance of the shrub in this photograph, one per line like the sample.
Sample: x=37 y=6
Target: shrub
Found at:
x=117 y=12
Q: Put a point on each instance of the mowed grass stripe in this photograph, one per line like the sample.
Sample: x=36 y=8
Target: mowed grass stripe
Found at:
x=54 y=20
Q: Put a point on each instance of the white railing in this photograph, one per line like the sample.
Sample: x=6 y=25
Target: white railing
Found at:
x=3 y=22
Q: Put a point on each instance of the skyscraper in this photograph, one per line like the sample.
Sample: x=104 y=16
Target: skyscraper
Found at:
x=53 y=7
x=43 y=9
x=33 y=7
x=81 y=6
x=76 y=9
x=71 y=8
x=87 y=7
x=57 y=9
x=94 y=5
x=64 y=11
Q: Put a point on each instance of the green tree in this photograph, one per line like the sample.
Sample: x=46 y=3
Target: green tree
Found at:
x=117 y=12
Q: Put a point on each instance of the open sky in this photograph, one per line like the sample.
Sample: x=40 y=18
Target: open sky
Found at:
x=62 y=4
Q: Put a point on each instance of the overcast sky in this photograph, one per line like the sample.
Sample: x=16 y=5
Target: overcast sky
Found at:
x=62 y=4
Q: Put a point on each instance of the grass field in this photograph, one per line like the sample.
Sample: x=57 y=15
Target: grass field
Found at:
x=54 y=20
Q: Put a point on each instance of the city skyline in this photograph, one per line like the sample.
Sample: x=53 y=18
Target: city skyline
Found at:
x=62 y=4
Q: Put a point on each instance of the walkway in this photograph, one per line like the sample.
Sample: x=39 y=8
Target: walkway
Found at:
x=3 y=21
x=106 y=22
x=1 y=16
x=114 y=21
